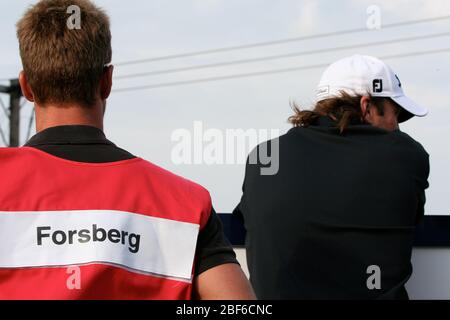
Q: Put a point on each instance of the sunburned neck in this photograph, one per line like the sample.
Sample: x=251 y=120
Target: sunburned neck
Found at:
x=49 y=116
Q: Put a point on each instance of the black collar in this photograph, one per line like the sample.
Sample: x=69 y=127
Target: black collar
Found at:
x=324 y=121
x=326 y=124
x=66 y=135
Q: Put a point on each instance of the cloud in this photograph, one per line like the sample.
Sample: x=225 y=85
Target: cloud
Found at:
x=412 y=9
x=207 y=6
x=308 y=19
x=425 y=8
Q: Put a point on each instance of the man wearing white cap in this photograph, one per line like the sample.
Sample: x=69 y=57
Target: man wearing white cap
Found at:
x=337 y=220
x=367 y=76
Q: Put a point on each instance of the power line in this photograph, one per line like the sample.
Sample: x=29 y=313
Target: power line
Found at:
x=211 y=79
x=281 y=56
x=2 y=135
x=281 y=41
x=23 y=103
x=268 y=72
x=30 y=124
x=5 y=110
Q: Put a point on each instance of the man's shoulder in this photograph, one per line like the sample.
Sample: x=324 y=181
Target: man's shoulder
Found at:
x=154 y=173
x=14 y=154
x=408 y=142
x=277 y=145
x=174 y=181
x=180 y=192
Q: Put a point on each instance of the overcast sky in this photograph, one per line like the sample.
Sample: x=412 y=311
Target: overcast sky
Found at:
x=143 y=121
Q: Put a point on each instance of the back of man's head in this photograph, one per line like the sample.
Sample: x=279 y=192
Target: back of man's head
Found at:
x=64 y=64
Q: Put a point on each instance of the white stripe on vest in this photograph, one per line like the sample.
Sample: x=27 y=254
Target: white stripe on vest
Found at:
x=128 y=240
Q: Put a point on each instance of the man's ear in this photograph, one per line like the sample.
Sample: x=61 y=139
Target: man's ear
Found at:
x=106 y=83
x=365 y=109
x=25 y=86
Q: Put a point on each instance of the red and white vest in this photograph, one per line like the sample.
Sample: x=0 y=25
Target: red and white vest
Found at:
x=121 y=230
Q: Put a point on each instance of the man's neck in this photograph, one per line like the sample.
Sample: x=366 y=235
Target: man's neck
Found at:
x=65 y=115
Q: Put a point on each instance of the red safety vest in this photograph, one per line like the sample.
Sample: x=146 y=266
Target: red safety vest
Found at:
x=121 y=230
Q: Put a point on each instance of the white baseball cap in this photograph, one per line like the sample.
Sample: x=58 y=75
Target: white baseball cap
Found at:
x=366 y=75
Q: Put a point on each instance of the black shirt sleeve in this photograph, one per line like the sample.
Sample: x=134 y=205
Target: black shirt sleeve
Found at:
x=425 y=170
x=238 y=212
x=213 y=248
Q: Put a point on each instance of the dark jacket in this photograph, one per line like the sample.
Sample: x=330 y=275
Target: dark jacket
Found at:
x=339 y=204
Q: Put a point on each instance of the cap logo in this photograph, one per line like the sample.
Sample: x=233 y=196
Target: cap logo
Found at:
x=399 y=83
x=377 y=85
x=324 y=90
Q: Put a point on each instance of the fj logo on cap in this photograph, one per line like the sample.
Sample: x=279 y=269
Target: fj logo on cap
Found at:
x=377 y=85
